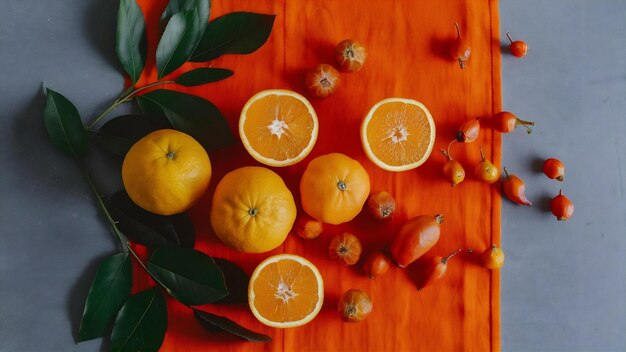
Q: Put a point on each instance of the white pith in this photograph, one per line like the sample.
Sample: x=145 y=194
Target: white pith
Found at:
x=393 y=132
x=278 y=128
x=289 y=324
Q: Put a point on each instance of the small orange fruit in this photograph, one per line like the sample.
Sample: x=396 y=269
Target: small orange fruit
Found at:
x=307 y=227
x=334 y=188
x=278 y=127
x=381 y=205
x=351 y=55
x=166 y=172
x=322 y=81
x=285 y=291
x=345 y=248
x=493 y=257
x=376 y=264
x=252 y=210
x=354 y=305
x=398 y=134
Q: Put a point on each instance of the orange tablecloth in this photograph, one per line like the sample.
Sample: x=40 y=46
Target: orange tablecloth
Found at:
x=406 y=40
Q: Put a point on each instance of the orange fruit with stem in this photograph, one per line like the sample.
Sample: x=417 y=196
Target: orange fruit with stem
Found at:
x=381 y=205
x=350 y=55
x=252 y=210
x=518 y=47
x=554 y=169
x=322 y=81
x=460 y=49
x=285 y=291
x=278 y=127
x=354 y=306
x=416 y=237
x=166 y=172
x=453 y=171
x=492 y=257
x=485 y=170
x=398 y=134
x=334 y=188
x=345 y=248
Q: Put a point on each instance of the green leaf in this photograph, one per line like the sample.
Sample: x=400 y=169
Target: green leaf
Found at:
x=141 y=323
x=109 y=289
x=176 y=6
x=195 y=116
x=150 y=229
x=236 y=282
x=131 y=38
x=214 y=322
x=120 y=133
x=201 y=76
x=190 y=276
x=234 y=33
x=64 y=126
x=178 y=42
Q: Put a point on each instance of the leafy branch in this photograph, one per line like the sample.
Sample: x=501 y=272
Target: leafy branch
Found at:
x=188 y=275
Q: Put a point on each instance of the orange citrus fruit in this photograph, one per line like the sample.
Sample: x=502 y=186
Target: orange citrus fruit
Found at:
x=166 y=172
x=398 y=134
x=334 y=188
x=252 y=210
x=278 y=127
x=285 y=291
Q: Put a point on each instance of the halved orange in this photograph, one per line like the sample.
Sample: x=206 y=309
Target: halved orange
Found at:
x=278 y=127
x=398 y=134
x=285 y=291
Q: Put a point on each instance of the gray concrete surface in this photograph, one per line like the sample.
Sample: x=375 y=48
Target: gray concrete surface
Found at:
x=563 y=286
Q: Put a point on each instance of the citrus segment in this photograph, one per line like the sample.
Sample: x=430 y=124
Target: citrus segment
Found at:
x=278 y=127
x=398 y=134
x=285 y=291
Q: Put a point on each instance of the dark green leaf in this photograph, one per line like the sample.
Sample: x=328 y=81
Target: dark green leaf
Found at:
x=178 y=42
x=214 y=322
x=120 y=133
x=190 y=114
x=190 y=276
x=234 y=33
x=131 y=38
x=201 y=76
x=236 y=282
x=64 y=126
x=141 y=323
x=176 y=6
x=150 y=229
x=109 y=289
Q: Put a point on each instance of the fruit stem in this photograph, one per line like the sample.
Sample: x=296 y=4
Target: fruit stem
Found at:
x=482 y=155
x=124 y=97
x=508 y=35
x=446 y=154
x=560 y=192
x=439 y=218
x=462 y=64
x=458 y=32
x=506 y=173
x=445 y=259
x=525 y=124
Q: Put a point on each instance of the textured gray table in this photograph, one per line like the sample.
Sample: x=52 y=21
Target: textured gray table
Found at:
x=563 y=286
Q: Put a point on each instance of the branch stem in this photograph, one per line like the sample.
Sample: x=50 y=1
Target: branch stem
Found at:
x=116 y=231
x=126 y=95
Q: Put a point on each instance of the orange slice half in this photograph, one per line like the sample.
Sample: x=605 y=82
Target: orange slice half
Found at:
x=398 y=134
x=285 y=291
x=278 y=127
